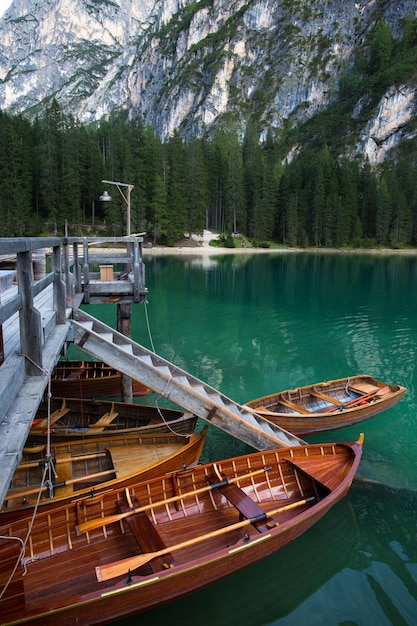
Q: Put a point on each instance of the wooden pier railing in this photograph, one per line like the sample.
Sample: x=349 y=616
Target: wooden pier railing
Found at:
x=35 y=312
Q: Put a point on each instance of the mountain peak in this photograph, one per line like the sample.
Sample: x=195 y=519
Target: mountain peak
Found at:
x=184 y=66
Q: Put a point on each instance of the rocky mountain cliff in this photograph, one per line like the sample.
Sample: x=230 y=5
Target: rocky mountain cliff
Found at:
x=192 y=66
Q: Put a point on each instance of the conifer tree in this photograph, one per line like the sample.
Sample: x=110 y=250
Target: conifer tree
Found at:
x=16 y=174
x=196 y=184
x=253 y=172
x=176 y=190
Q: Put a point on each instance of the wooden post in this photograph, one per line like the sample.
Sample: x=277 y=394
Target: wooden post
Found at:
x=69 y=279
x=6 y=279
x=39 y=264
x=1 y=342
x=77 y=272
x=124 y=316
x=86 y=273
x=59 y=287
x=30 y=318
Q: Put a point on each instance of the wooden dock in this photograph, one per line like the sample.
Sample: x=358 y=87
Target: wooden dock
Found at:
x=35 y=319
x=38 y=318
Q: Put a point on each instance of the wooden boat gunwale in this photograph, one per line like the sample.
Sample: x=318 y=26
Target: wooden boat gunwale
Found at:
x=333 y=406
x=84 y=381
x=187 y=454
x=126 y=596
x=72 y=418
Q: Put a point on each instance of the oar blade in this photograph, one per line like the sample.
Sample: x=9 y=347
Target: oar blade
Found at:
x=119 y=568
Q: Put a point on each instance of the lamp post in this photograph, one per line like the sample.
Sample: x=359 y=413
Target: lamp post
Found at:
x=105 y=197
x=123 y=309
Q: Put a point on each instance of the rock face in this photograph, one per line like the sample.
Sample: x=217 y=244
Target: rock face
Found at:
x=191 y=66
x=386 y=129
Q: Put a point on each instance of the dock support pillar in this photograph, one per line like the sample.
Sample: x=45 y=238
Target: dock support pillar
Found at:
x=30 y=318
x=124 y=317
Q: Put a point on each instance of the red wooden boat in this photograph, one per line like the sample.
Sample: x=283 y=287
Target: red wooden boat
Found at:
x=86 y=467
x=70 y=418
x=329 y=405
x=89 y=379
x=95 y=560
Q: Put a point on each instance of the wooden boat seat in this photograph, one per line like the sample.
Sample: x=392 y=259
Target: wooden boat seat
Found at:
x=247 y=507
x=105 y=420
x=362 y=388
x=146 y=534
x=323 y=396
x=54 y=417
x=74 y=374
x=295 y=407
x=263 y=409
x=144 y=454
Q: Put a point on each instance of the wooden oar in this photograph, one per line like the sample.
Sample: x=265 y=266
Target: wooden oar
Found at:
x=110 y=519
x=118 y=568
x=86 y=428
x=367 y=396
x=64 y=483
x=68 y=459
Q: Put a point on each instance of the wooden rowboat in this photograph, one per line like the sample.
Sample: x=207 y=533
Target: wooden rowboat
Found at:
x=90 y=466
x=329 y=405
x=89 y=379
x=70 y=418
x=132 y=549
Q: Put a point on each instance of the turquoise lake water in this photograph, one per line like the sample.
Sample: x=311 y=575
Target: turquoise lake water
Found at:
x=253 y=324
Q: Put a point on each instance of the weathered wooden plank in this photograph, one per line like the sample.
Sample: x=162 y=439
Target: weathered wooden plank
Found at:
x=10 y=307
x=109 y=287
x=26 y=244
x=36 y=328
x=106 y=259
x=30 y=319
x=24 y=400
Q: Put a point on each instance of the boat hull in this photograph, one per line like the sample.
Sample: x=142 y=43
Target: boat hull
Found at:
x=120 y=461
x=72 y=418
x=90 y=379
x=319 y=475
x=328 y=405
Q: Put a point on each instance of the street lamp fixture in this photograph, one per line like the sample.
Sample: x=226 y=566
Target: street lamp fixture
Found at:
x=105 y=197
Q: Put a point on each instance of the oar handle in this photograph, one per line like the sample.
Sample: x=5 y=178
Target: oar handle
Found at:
x=119 y=568
x=110 y=519
x=70 y=459
x=365 y=397
x=64 y=483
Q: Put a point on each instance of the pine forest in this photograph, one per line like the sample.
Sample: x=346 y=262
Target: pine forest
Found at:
x=52 y=170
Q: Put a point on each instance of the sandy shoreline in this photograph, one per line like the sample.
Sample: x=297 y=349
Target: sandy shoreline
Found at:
x=206 y=250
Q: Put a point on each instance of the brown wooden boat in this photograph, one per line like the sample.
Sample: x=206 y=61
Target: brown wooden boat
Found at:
x=90 y=379
x=97 y=559
x=328 y=405
x=70 y=418
x=90 y=466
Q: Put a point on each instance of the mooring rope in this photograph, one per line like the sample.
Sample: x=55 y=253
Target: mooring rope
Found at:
x=155 y=397
x=20 y=558
x=148 y=326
